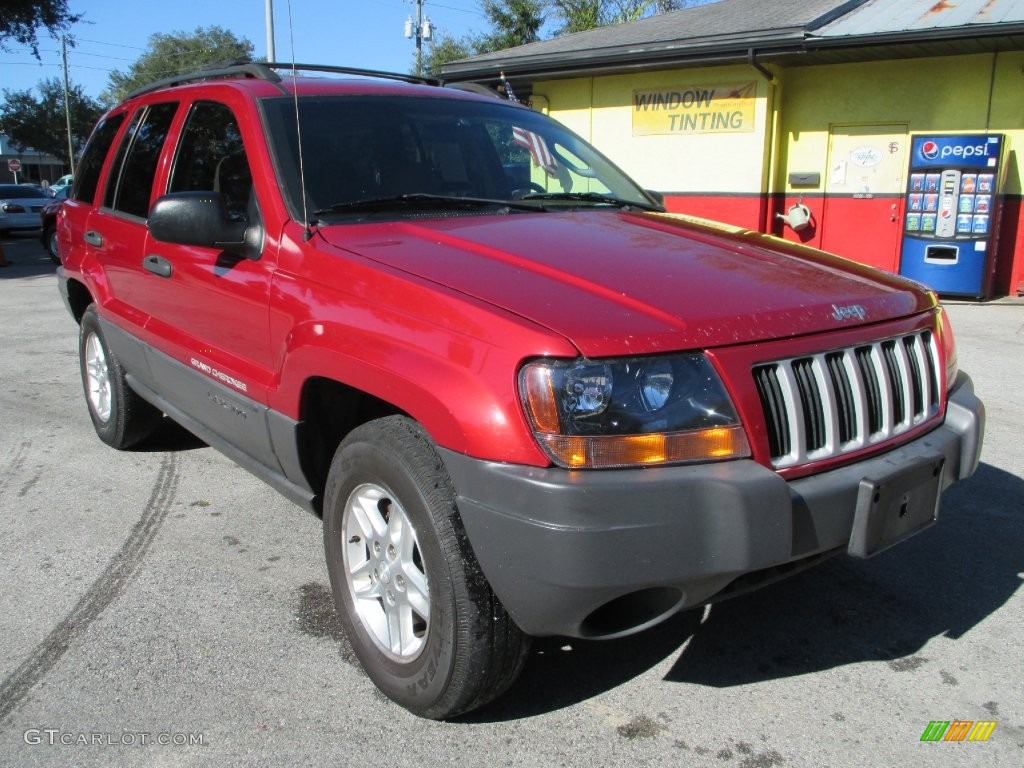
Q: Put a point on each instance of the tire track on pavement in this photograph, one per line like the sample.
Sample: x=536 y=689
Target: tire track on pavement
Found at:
x=19 y=454
x=104 y=590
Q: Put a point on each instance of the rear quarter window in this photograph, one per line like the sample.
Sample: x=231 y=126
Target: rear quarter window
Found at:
x=91 y=164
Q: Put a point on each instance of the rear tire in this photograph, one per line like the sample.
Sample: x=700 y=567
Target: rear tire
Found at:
x=122 y=419
x=419 y=613
x=52 y=249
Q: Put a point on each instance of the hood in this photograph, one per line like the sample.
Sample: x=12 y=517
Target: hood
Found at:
x=618 y=283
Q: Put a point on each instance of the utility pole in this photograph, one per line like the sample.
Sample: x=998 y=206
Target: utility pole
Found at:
x=67 y=102
x=421 y=30
x=270 y=31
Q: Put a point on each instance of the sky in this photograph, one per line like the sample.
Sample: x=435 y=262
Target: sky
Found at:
x=356 y=33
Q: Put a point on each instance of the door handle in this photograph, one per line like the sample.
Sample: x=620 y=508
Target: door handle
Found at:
x=94 y=238
x=157 y=265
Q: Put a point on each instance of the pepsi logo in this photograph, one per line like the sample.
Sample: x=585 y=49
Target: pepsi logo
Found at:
x=930 y=150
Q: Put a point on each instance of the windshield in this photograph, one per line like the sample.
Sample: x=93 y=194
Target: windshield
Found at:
x=373 y=152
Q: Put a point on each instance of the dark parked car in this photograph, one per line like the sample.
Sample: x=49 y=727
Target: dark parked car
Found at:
x=48 y=219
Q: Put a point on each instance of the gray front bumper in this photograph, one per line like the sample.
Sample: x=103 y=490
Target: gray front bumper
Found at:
x=608 y=553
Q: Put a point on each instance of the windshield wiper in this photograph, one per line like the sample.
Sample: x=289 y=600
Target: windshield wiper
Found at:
x=593 y=197
x=427 y=200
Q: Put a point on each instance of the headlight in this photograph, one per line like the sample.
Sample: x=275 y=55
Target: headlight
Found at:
x=631 y=412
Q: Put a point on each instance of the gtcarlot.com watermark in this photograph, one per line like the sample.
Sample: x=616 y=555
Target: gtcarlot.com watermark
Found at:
x=59 y=737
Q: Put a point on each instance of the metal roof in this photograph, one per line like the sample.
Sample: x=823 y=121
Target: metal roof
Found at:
x=790 y=32
x=878 y=16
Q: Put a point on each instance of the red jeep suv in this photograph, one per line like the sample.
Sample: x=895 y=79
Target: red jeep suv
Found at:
x=524 y=399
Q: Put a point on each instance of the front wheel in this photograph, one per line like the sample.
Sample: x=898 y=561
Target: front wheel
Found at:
x=419 y=613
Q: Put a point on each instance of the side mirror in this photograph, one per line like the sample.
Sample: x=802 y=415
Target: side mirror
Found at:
x=201 y=219
x=657 y=197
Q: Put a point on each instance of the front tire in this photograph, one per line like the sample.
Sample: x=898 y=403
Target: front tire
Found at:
x=418 y=611
x=122 y=419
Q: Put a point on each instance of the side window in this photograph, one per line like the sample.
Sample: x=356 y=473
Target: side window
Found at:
x=140 y=150
x=91 y=164
x=211 y=157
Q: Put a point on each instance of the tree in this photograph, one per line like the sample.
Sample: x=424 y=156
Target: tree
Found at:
x=632 y=10
x=177 y=54
x=581 y=15
x=40 y=123
x=578 y=15
x=20 y=20
x=518 y=22
x=513 y=23
x=445 y=48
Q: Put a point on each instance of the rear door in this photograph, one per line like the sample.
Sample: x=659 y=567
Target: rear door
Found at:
x=74 y=216
x=116 y=229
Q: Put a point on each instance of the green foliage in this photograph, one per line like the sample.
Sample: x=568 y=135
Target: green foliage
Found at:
x=581 y=15
x=513 y=23
x=577 y=15
x=445 y=48
x=40 y=123
x=20 y=20
x=176 y=54
x=518 y=22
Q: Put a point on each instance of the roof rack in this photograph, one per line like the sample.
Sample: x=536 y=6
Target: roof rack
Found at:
x=355 y=71
x=264 y=70
x=258 y=71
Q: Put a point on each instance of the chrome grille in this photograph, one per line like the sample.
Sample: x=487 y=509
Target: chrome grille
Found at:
x=836 y=402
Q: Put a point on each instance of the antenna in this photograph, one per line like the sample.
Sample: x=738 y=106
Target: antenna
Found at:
x=306 y=231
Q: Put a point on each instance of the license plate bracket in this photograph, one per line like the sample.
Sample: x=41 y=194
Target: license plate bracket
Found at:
x=895 y=507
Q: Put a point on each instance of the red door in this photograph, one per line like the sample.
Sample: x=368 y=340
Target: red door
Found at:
x=862 y=212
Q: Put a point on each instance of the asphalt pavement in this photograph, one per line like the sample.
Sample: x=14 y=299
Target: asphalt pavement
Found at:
x=162 y=607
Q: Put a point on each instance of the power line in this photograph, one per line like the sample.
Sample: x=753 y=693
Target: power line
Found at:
x=51 y=66
x=103 y=42
x=434 y=5
x=460 y=10
x=86 y=53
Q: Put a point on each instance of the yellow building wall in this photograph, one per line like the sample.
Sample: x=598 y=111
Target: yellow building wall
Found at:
x=948 y=94
x=602 y=109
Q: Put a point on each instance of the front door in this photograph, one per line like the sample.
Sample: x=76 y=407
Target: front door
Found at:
x=862 y=211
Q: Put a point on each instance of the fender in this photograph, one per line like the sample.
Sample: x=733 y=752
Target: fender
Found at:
x=444 y=361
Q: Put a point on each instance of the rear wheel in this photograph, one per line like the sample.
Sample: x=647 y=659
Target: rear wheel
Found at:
x=121 y=418
x=51 y=245
x=419 y=613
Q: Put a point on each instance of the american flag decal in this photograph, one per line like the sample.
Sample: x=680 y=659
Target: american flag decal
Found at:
x=537 y=147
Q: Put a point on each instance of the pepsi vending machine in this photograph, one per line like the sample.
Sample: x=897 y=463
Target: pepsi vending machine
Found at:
x=952 y=212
